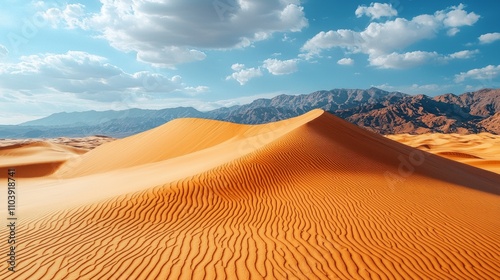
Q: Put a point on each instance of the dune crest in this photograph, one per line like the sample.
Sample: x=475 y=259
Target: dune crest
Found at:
x=306 y=198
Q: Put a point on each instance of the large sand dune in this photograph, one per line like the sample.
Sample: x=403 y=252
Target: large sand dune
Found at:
x=313 y=197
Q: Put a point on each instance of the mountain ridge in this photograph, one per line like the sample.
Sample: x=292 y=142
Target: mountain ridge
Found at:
x=374 y=109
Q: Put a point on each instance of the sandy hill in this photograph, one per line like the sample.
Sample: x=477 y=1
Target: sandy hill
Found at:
x=313 y=197
x=35 y=159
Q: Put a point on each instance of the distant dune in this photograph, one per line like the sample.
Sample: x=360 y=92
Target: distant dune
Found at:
x=312 y=197
x=480 y=150
x=86 y=143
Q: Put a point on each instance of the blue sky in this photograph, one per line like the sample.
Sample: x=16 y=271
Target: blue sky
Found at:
x=100 y=55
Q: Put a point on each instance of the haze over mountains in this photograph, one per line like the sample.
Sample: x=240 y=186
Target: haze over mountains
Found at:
x=374 y=109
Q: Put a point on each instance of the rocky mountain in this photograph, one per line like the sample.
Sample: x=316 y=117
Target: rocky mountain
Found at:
x=415 y=114
x=374 y=109
x=287 y=106
x=483 y=103
x=95 y=118
x=491 y=124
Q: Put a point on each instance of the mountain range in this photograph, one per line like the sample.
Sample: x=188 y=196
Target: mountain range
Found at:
x=373 y=109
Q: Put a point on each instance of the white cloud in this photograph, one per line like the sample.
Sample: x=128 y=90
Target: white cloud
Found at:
x=489 y=38
x=456 y=16
x=83 y=75
x=196 y=90
x=272 y=65
x=242 y=74
x=280 y=67
x=72 y=16
x=382 y=41
x=376 y=39
x=485 y=73
x=170 y=32
x=169 y=56
x=452 y=31
x=376 y=11
x=416 y=58
x=346 y=61
x=237 y=66
x=403 y=60
x=463 y=54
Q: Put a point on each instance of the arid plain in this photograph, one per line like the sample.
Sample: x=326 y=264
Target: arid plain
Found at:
x=312 y=197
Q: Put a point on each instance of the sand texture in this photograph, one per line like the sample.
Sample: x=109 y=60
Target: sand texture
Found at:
x=312 y=197
x=85 y=143
x=480 y=150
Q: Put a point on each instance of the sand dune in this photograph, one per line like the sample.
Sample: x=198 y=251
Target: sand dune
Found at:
x=35 y=159
x=85 y=143
x=313 y=197
x=479 y=150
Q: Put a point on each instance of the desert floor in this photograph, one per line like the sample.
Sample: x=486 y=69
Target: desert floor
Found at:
x=312 y=197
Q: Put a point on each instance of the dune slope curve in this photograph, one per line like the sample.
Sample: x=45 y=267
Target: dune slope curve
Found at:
x=316 y=198
x=35 y=159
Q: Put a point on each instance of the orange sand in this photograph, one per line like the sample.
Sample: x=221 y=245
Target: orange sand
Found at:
x=479 y=150
x=313 y=197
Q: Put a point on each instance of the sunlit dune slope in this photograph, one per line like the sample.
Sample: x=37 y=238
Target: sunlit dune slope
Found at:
x=314 y=197
x=480 y=150
x=177 y=138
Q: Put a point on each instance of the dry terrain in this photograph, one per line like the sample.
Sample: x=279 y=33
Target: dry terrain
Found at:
x=312 y=197
x=480 y=150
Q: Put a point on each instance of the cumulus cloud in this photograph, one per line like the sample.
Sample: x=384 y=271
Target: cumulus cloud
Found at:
x=416 y=58
x=382 y=40
x=346 y=61
x=463 y=54
x=85 y=75
x=485 y=73
x=489 y=38
x=170 y=32
x=71 y=17
x=274 y=66
x=242 y=74
x=237 y=66
x=376 y=11
x=377 y=38
x=456 y=16
x=403 y=60
x=280 y=67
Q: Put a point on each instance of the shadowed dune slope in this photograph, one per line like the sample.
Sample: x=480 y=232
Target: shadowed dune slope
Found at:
x=316 y=198
x=35 y=159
